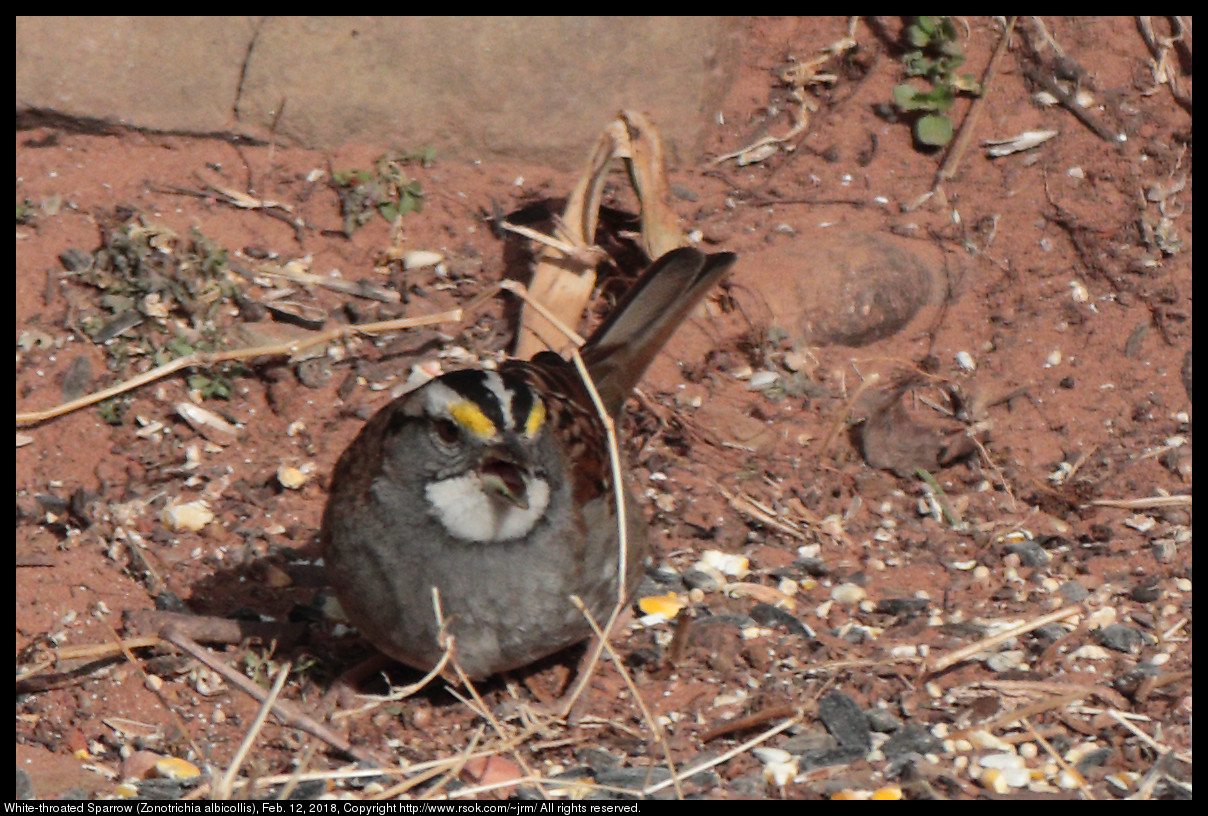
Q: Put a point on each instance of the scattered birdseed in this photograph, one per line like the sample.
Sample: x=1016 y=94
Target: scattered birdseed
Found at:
x=190 y=516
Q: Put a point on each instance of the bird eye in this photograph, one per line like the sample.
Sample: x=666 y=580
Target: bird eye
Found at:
x=446 y=429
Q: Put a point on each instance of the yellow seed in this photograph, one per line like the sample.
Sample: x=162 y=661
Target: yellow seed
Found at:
x=846 y=795
x=291 y=477
x=176 y=768
x=667 y=604
x=190 y=516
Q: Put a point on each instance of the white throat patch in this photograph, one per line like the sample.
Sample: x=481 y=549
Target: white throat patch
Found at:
x=468 y=512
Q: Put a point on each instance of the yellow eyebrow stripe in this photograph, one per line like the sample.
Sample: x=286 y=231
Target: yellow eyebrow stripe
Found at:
x=471 y=417
x=535 y=419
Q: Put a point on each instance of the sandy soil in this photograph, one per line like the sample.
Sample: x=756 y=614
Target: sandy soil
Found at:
x=1050 y=370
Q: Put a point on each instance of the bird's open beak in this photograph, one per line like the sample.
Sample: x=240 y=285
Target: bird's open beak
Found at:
x=504 y=477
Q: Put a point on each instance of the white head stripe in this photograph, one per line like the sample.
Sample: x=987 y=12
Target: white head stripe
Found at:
x=494 y=384
x=438 y=397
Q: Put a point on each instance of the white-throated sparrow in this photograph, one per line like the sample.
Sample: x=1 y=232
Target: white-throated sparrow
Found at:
x=495 y=487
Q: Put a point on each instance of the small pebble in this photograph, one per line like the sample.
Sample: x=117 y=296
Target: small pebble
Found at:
x=420 y=258
x=190 y=516
x=848 y=594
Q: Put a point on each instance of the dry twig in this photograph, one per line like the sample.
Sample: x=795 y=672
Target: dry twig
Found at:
x=226 y=783
x=286 y=712
x=963 y=136
x=653 y=724
x=962 y=654
x=289 y=348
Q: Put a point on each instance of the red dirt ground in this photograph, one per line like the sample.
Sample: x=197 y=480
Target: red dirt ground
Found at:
x=1069 y=286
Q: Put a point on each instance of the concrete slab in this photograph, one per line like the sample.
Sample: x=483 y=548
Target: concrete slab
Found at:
x=474 y=87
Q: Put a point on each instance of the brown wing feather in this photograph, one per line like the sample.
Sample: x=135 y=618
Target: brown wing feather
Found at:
x=621 y=349
x=617 y=355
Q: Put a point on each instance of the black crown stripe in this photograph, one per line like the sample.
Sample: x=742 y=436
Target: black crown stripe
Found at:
x=522 y=398
x=471 y=383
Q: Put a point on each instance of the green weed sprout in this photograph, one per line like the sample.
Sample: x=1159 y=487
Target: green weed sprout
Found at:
x=933 y=54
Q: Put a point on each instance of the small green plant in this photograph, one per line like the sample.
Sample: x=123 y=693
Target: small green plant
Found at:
x=145 y=266
x=933 y=54
x=385 y=190
x=215 y=382
x=113 y=410
x=263 y=668
x=159 y=297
